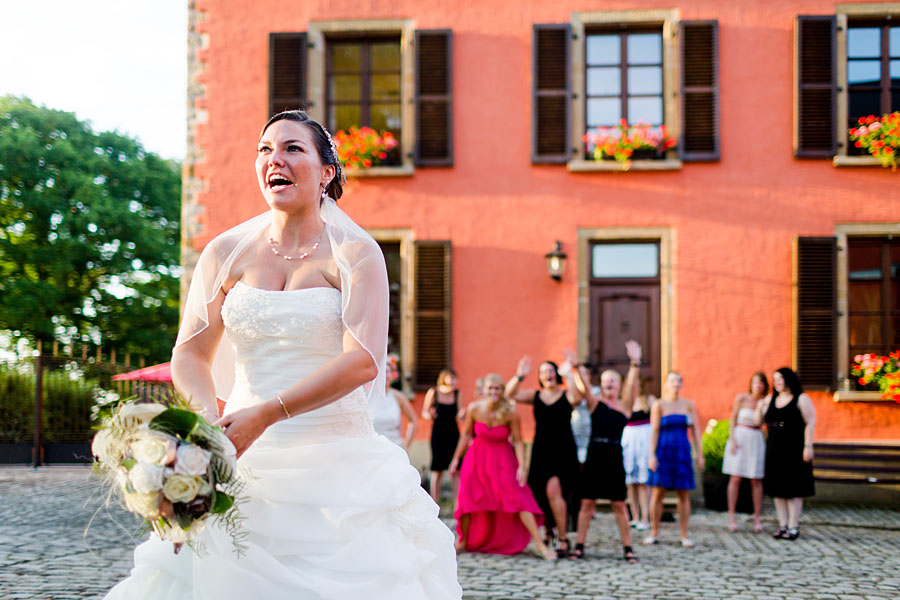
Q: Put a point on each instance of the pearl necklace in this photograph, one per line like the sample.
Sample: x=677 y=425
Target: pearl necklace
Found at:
x=275 y=251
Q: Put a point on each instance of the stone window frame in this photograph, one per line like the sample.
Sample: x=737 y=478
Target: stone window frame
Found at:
x=844 y=12
x=668 y=19
x=317 y=35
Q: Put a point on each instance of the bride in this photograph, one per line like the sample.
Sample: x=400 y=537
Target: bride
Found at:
x=334 y=511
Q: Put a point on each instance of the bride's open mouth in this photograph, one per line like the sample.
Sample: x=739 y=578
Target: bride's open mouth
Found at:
x=278 y=182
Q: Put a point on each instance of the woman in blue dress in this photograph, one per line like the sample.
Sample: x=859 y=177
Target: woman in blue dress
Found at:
x=671 y=465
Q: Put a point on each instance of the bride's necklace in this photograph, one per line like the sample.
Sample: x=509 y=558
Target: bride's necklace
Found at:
x=273 y=243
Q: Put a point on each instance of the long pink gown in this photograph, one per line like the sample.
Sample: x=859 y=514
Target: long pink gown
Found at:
x=490 y=495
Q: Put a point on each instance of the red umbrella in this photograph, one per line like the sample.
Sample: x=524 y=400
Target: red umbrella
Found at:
x=160 y=372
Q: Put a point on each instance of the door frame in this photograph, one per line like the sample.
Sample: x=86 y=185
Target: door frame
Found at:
x=665 y=237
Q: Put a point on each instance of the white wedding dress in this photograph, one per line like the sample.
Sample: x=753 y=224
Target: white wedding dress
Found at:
x=334 y=511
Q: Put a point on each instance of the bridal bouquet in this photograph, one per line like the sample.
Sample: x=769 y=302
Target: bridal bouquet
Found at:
x=171 y=466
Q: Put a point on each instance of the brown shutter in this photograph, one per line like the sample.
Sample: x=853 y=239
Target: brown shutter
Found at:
x=816 y=72
x=699 y=91
x=432 y=312
x=434 y=98
x=287 y=72
x=816 y=311
x=550 y=97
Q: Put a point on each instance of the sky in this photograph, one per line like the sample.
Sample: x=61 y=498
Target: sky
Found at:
x=120 y=64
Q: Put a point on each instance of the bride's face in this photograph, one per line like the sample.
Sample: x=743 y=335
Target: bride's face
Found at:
x=288 y=167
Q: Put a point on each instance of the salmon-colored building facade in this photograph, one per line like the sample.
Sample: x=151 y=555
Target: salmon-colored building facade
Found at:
x=762 y=241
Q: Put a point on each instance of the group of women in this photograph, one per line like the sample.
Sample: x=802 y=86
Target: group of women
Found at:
x=780 y=466
x=599 y=437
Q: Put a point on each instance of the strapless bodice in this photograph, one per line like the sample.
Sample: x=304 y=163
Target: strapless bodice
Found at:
x=486 y=433
x=746 y=416
x=280 y=337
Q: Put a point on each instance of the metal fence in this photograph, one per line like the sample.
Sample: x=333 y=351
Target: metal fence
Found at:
x=46 y=403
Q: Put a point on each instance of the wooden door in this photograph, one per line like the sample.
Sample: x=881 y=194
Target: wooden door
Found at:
x=626 y=312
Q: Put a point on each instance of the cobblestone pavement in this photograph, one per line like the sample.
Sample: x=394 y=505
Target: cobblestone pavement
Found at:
x=47 y=551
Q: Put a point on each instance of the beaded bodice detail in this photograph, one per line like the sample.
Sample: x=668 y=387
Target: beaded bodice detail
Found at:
x=280 y=337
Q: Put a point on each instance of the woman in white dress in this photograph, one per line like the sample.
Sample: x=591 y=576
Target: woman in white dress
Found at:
x=387 y=411
x=745 y=451
x=333 y=511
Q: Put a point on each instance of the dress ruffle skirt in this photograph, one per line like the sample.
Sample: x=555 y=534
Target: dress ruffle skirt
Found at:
x=675 y=466
x=636 y=453
x=339 y=516
x=490 y=496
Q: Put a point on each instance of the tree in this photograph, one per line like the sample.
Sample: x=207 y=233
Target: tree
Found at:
x=89 y=234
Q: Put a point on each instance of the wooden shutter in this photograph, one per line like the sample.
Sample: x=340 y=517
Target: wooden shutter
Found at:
x=434 y=98
x=816 y=320
x=816 y=71
x=432 y=312
x=550 y=97
x=699 y=91
x=287 y=72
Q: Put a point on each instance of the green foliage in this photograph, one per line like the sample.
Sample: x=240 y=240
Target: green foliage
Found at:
x=66 y=411
x=89 y=241
x=176 y=421
x=714 y=439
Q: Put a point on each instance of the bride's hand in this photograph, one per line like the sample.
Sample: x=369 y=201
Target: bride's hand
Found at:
x=244 y=426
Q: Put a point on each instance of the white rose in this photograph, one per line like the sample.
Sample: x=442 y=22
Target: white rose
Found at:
x=229 y=455
x=182 y=488
x=154 y=448
x=205 y=487
x=175 y=534
x=146 y=505
x=192 y=460
x=135 y=414
x=101 y=445
x=145 y=478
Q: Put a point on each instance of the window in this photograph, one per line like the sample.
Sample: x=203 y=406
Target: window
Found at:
x=611 y=65
x=873 y=295
x=363 y=87
x=379 y=73
x=873 y=71
x=847 y=302
x=847 y=66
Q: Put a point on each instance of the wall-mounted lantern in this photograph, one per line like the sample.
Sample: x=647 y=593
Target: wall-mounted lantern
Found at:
x=556 y=262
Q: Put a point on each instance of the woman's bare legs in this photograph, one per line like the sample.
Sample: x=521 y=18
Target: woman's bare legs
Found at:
x=734 y=488
x=621 y=513
x=684 y=512
x=558 y=507
x=795 y=507
x=531 y=525
x=463 y=532
x=585 y=515
x=643 y=492
x=756 y=485
x=633 y=504
x=436 y=486
x=656 y=507
x=781 y=510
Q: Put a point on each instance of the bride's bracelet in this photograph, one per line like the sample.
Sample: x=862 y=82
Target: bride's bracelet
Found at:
x=283 y=407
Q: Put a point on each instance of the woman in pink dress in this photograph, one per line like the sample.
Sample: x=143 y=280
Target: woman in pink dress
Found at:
x=495 y=512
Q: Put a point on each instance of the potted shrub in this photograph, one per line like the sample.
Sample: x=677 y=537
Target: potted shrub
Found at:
x=625 y=142
x=880 y=136
x=715 y=483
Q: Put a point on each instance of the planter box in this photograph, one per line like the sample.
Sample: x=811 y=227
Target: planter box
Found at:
x=15 y=454
x=715 y=493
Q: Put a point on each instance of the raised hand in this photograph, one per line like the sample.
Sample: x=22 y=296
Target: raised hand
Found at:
x=524 y=366
x=633 y=350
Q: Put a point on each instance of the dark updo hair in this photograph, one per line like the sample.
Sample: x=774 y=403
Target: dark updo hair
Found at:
x=791 y=381
x=559 y=378
x=324 y=146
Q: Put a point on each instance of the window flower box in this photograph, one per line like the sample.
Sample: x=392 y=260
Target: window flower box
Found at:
x=625 y=143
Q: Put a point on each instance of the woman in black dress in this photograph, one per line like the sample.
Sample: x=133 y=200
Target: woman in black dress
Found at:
x=603 y=473
x=790 y=418
x=554 y=459
x=442 y=407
